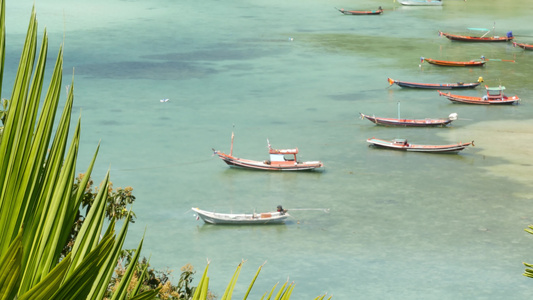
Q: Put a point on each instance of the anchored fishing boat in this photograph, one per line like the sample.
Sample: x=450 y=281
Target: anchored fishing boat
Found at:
x=361 y=12
x=428 y=122
x=484 y=38
x=441 y=86
x=276 y=217
x=523 y=46
x=447 y=63
x=402 y=144
x=494 y=95
x=280 y=160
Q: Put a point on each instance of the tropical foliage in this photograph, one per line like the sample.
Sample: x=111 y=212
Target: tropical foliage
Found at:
x=529 y=267
x=38 y=206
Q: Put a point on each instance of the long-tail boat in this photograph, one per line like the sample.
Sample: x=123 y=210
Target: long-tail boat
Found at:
x=494 y=96
x=361 y=12
x=403 y=145
x=280 y=160
x=484 y=38
x=523 y=46
x=447 y=63
x=441 y=86
x=428 y=122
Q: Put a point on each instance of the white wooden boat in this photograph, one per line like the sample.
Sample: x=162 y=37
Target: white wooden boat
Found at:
x=421 y=2
x=427 y=122
x=402 y=144
x=276 y=217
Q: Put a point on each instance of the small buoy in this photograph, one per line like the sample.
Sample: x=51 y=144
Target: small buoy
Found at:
x=164 y=100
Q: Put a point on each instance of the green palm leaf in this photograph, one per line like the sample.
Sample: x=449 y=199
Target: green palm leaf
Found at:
x=122 y=291
x=201 y=289
x=2 y=41
x=102 y=281
x=78 y=285
x=147 y=295
x=229 y=289
x=10 y=266
x=49 y=285
x=12 y=145
x=253 y=281
x=36 y=181
x=92 y=226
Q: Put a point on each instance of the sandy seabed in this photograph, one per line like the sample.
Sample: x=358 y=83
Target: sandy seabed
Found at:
x=511 y=141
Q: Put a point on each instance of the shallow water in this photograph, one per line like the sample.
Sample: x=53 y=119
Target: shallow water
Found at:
x=398 y=226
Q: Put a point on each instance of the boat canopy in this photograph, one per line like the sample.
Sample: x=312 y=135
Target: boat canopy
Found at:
x=479 y=29
x=400 y=141
x=283 y=151
x=277 y=157
x=492 y=89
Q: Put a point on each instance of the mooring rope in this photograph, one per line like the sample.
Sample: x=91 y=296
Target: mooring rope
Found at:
x=326 y=210
x=163 y=167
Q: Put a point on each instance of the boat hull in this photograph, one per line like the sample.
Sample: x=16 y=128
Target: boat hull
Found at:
x=267 y=165
x=480 y=100
x=421 y=3
x=435 y=86
x=525 y=46
x=407 y=122
x=455 y=63
x=455 y=148
x=466 y=38
x=361 y=12
x=241 y=219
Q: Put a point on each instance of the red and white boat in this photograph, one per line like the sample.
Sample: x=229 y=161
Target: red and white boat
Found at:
x=494 y=96
x=402 y=144
x=280 y=160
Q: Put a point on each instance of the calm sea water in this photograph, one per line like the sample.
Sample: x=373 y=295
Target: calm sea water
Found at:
x=397 y=226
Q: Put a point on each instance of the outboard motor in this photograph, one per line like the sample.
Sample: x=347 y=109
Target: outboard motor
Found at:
x=509 y=34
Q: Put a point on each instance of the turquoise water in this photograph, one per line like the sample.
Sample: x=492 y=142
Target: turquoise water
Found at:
x=397 y=226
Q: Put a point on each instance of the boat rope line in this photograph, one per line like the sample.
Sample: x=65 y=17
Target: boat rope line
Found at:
x=326 y=210
x=163 y=167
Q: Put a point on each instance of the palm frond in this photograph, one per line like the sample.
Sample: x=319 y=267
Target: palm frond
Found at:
x=253 y=281
x=10 y=265
x=229 y=289
x=201 y=289
x=122 y=290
